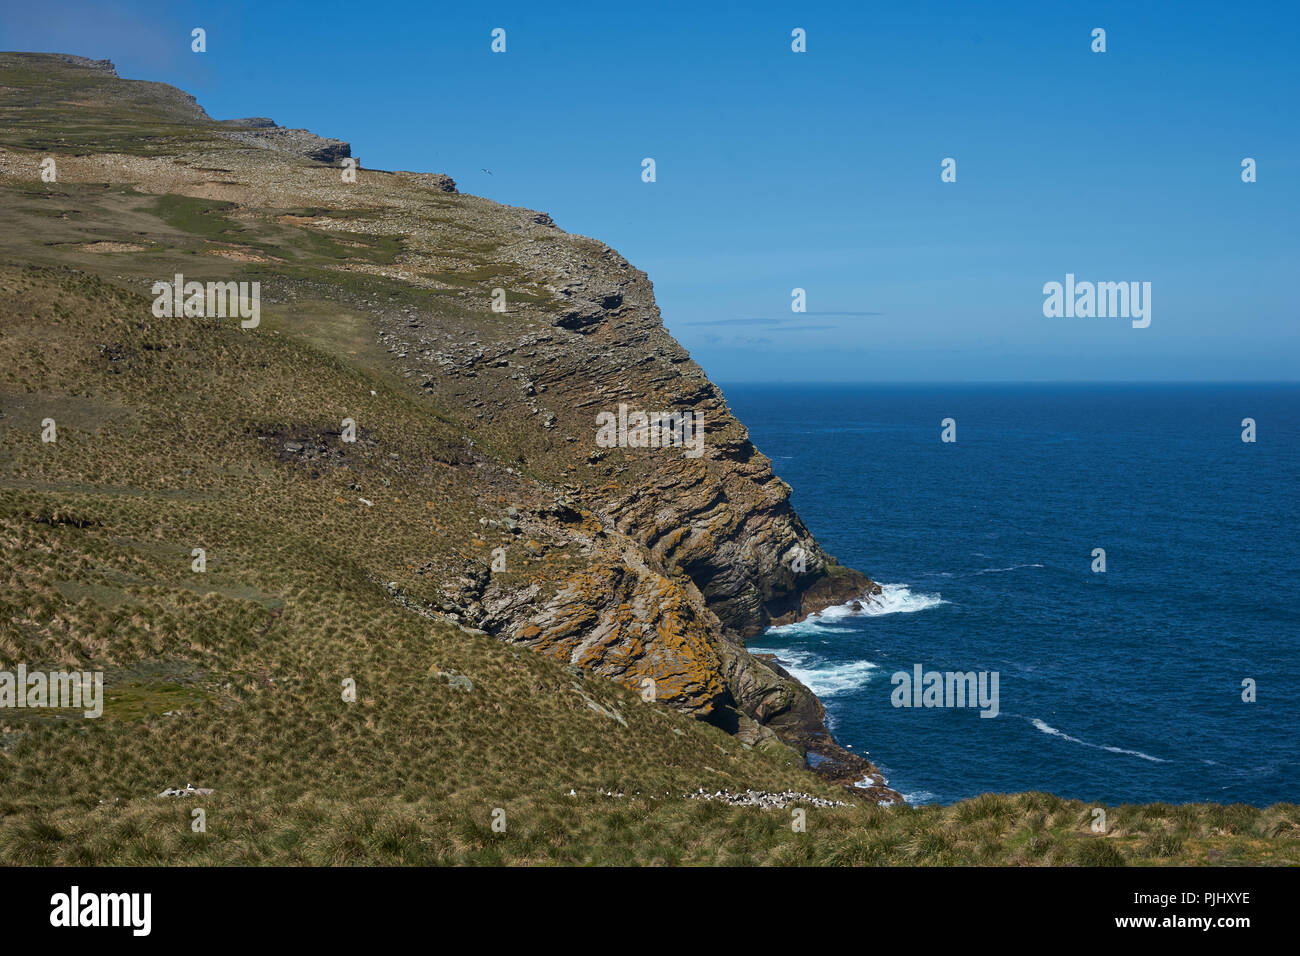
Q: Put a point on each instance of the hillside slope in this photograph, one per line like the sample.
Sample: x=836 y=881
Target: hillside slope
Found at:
x=603 y=667
x=476 y=427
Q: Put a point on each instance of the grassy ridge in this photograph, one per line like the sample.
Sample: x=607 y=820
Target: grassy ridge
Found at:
x=87 y=110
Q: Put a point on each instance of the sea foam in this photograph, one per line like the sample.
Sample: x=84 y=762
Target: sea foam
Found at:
x=822 y=678
x=826 y=679
x=898 y=599
x=891 y=599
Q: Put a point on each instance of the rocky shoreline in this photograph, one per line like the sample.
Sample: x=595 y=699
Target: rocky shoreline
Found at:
x=824 y=755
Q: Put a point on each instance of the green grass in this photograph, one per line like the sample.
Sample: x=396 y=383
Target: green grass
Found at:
x=50 y=106
x=209 y=220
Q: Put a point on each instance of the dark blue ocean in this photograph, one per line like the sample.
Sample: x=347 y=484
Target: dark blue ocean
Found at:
x=1121 y=686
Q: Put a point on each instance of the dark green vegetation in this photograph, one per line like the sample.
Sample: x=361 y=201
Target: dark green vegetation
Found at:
x=176 y=434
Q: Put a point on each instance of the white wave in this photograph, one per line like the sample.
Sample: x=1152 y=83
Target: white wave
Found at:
x=891 y=599
x=1134 y=753
x=1014 y=567
x=809 y=627
x=1047 y=729
x=897 y=599
x=826 y=680
x=917 y=797
x=1052 y=730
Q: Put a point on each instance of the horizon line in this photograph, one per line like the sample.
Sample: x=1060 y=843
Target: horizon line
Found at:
x=1008 y=381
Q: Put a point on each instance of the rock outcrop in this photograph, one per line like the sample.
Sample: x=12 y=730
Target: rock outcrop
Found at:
x=101 y=66
x=265 y=133
x=646 y=565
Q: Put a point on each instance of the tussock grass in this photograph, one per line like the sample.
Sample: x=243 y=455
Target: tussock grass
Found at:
x=171 y=437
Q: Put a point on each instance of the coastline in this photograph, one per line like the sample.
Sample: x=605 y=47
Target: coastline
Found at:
x=810 y=733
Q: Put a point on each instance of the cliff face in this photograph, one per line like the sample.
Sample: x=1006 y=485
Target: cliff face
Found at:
x=648 y=566
x=688 y=555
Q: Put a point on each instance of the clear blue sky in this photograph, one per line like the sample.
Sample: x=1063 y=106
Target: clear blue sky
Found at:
x=820 y=170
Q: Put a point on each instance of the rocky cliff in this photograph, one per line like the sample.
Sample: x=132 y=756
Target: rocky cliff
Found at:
x=648 y=566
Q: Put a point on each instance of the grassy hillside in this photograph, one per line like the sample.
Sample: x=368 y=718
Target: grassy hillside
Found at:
x=326 y=560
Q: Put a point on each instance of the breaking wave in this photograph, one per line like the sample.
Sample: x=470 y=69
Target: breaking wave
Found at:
x=920 y=797
x=1048 y=729
x=897 y=599
x=822 y=678
x=892 y=599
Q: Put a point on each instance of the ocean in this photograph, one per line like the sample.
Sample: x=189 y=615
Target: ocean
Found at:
x=1119 y=686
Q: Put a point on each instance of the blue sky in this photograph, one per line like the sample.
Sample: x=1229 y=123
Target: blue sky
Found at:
x=820 y=170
